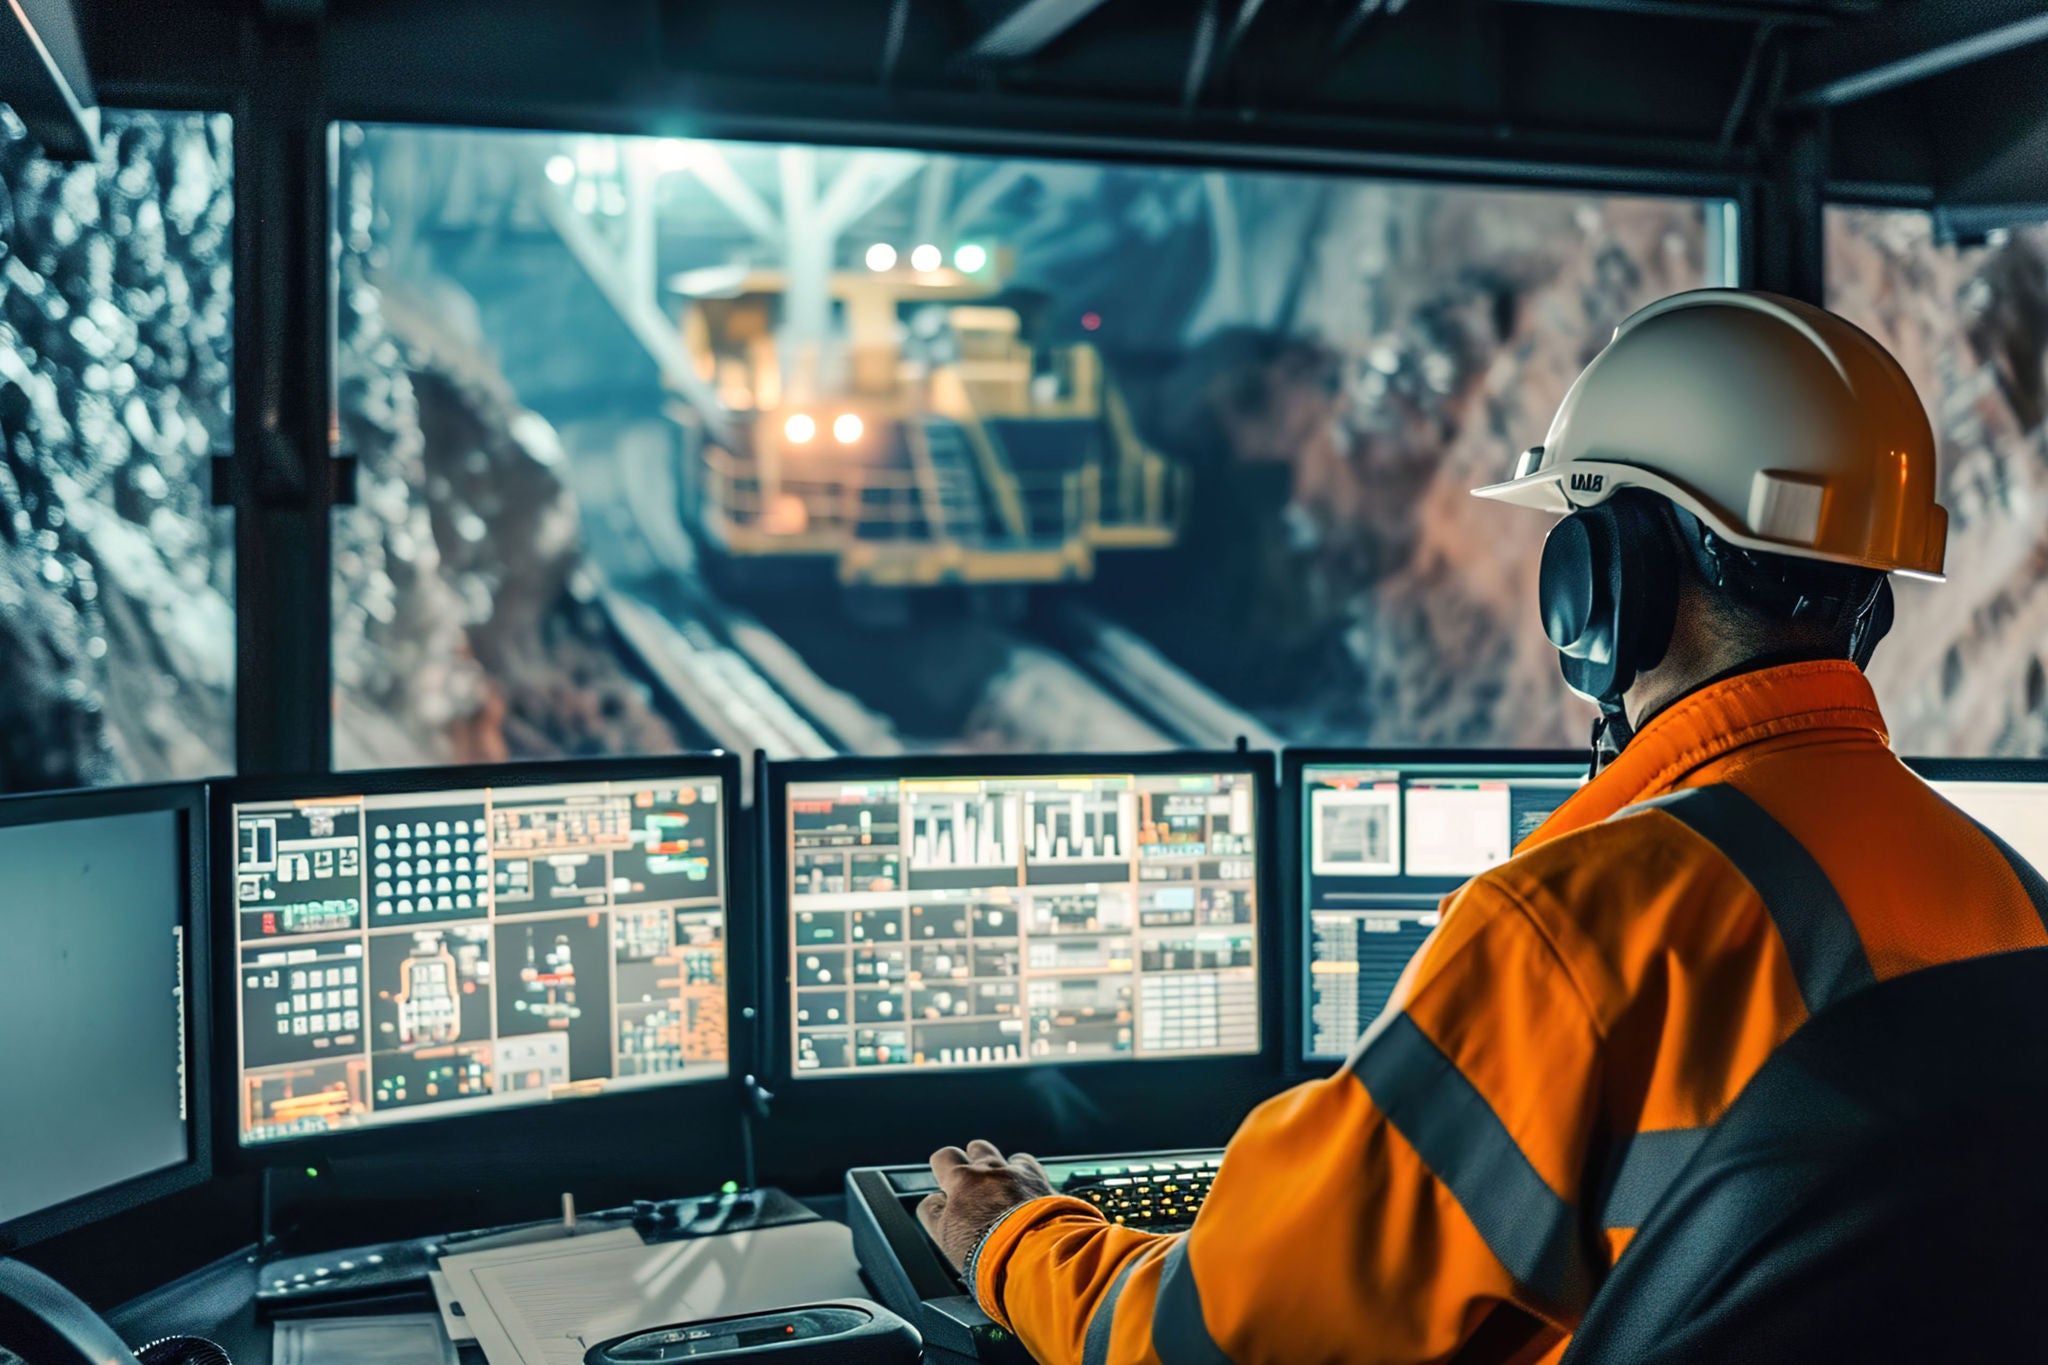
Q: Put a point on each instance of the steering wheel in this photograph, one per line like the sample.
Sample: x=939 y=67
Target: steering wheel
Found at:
x=46 y=1324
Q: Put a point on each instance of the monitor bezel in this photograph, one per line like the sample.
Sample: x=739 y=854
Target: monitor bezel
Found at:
x=1294 y=763
x=771 y=806
x=2017 y=771
x=232 y=1154
x=187 y=800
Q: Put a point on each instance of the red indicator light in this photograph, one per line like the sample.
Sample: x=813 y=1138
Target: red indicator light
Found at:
x=1091 y=322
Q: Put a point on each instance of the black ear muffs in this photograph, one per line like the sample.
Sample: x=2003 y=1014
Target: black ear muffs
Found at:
x=1608 y=589
x=1873 y=623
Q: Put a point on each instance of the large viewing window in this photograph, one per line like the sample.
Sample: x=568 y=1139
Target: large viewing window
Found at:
x=1963 y=672
x=117 y=641
x=668 y=443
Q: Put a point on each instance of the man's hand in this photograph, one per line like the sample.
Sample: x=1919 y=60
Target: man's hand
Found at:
x=976 y=1187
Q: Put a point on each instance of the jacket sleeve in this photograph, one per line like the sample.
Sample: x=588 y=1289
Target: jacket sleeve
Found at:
x=1426 y=1194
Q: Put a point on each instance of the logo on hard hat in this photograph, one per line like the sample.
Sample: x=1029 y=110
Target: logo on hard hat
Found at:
x=1587 y=483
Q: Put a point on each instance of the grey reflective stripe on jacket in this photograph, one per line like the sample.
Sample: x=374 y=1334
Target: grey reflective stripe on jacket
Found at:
x=1826 y=952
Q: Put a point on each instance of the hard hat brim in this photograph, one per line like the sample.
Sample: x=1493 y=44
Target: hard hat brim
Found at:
x=1550 y=490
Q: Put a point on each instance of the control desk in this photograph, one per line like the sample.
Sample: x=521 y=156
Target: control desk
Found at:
x=429 y=949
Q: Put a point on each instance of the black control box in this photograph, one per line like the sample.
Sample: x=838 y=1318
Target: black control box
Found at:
x=1156 y=1191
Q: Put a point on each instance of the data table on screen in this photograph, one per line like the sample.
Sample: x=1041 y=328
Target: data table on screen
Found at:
x=424 y=954
x=1000 y=921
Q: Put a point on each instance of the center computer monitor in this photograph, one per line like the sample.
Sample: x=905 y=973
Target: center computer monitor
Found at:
x=954 y=914
x=412 y=946
x=1382 y=838
x=102 y=995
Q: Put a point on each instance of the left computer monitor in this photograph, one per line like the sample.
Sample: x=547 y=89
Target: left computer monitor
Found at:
x=411 y=946
x=1380 y=840
x=102 y=1003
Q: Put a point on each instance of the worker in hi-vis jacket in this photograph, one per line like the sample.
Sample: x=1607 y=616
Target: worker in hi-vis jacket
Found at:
x=1738 y=475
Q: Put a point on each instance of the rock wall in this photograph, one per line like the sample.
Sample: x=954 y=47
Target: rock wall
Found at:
x=1963 y=673
x=465 y=627
x=1400 y=346
x=116 y=620
x=462 y=631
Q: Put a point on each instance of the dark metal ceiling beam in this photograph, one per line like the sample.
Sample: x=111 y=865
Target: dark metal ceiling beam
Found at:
x=1028 y=28
x=1199 y=53
x=44 y=77
x=1919 y=39
x=1818 y=15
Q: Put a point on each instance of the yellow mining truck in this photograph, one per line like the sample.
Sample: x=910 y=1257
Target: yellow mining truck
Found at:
x=911 y=436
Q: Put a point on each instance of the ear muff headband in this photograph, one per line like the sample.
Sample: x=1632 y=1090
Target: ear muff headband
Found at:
x=1608 y=590
x=1873 y=624
x=1837 y=596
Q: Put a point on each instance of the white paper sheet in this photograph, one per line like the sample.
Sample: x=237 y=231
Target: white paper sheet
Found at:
x=548 y=1303
x=457 y=1326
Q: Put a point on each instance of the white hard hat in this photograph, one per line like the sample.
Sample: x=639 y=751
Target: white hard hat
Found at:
x=1780 y=426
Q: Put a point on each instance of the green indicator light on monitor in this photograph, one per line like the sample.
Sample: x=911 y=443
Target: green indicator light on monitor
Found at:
x=730 y=1187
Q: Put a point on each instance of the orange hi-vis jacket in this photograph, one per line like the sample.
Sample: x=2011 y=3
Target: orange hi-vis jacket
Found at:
x=1553 y=1055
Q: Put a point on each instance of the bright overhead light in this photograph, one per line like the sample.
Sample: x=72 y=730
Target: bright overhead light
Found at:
x=561 y=169
x=799 y=429
x=881 y=256
x=672 y=154
x=847 y=428
x=970 y=258
x=927 y=258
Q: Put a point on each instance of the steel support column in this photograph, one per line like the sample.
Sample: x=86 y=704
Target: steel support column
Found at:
x=283 y=470
x=1783 y=218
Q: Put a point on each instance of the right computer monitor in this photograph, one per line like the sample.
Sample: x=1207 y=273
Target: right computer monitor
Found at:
x=1382 y=839
x=2009 y=797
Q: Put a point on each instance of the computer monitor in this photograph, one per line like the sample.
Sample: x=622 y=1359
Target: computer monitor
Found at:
x=1381 y=839
x=2009 y=797
x=102 y=1004
x=411 y=946
x=950 y=914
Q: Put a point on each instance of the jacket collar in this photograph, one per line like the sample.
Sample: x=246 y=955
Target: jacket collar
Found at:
x=1715 y=722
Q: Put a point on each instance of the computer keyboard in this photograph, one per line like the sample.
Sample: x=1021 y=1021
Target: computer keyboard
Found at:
x=1155 y=1196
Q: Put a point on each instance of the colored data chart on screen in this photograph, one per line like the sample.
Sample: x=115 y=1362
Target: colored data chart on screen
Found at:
x=425 y=954
x=1004 y=921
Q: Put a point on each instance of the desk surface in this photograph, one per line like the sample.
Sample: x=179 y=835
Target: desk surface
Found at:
x=219 y=1302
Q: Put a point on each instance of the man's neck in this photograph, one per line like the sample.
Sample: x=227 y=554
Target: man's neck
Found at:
x=1654 y=694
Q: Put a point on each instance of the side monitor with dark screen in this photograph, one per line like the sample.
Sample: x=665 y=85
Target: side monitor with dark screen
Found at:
x=100 y=1096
